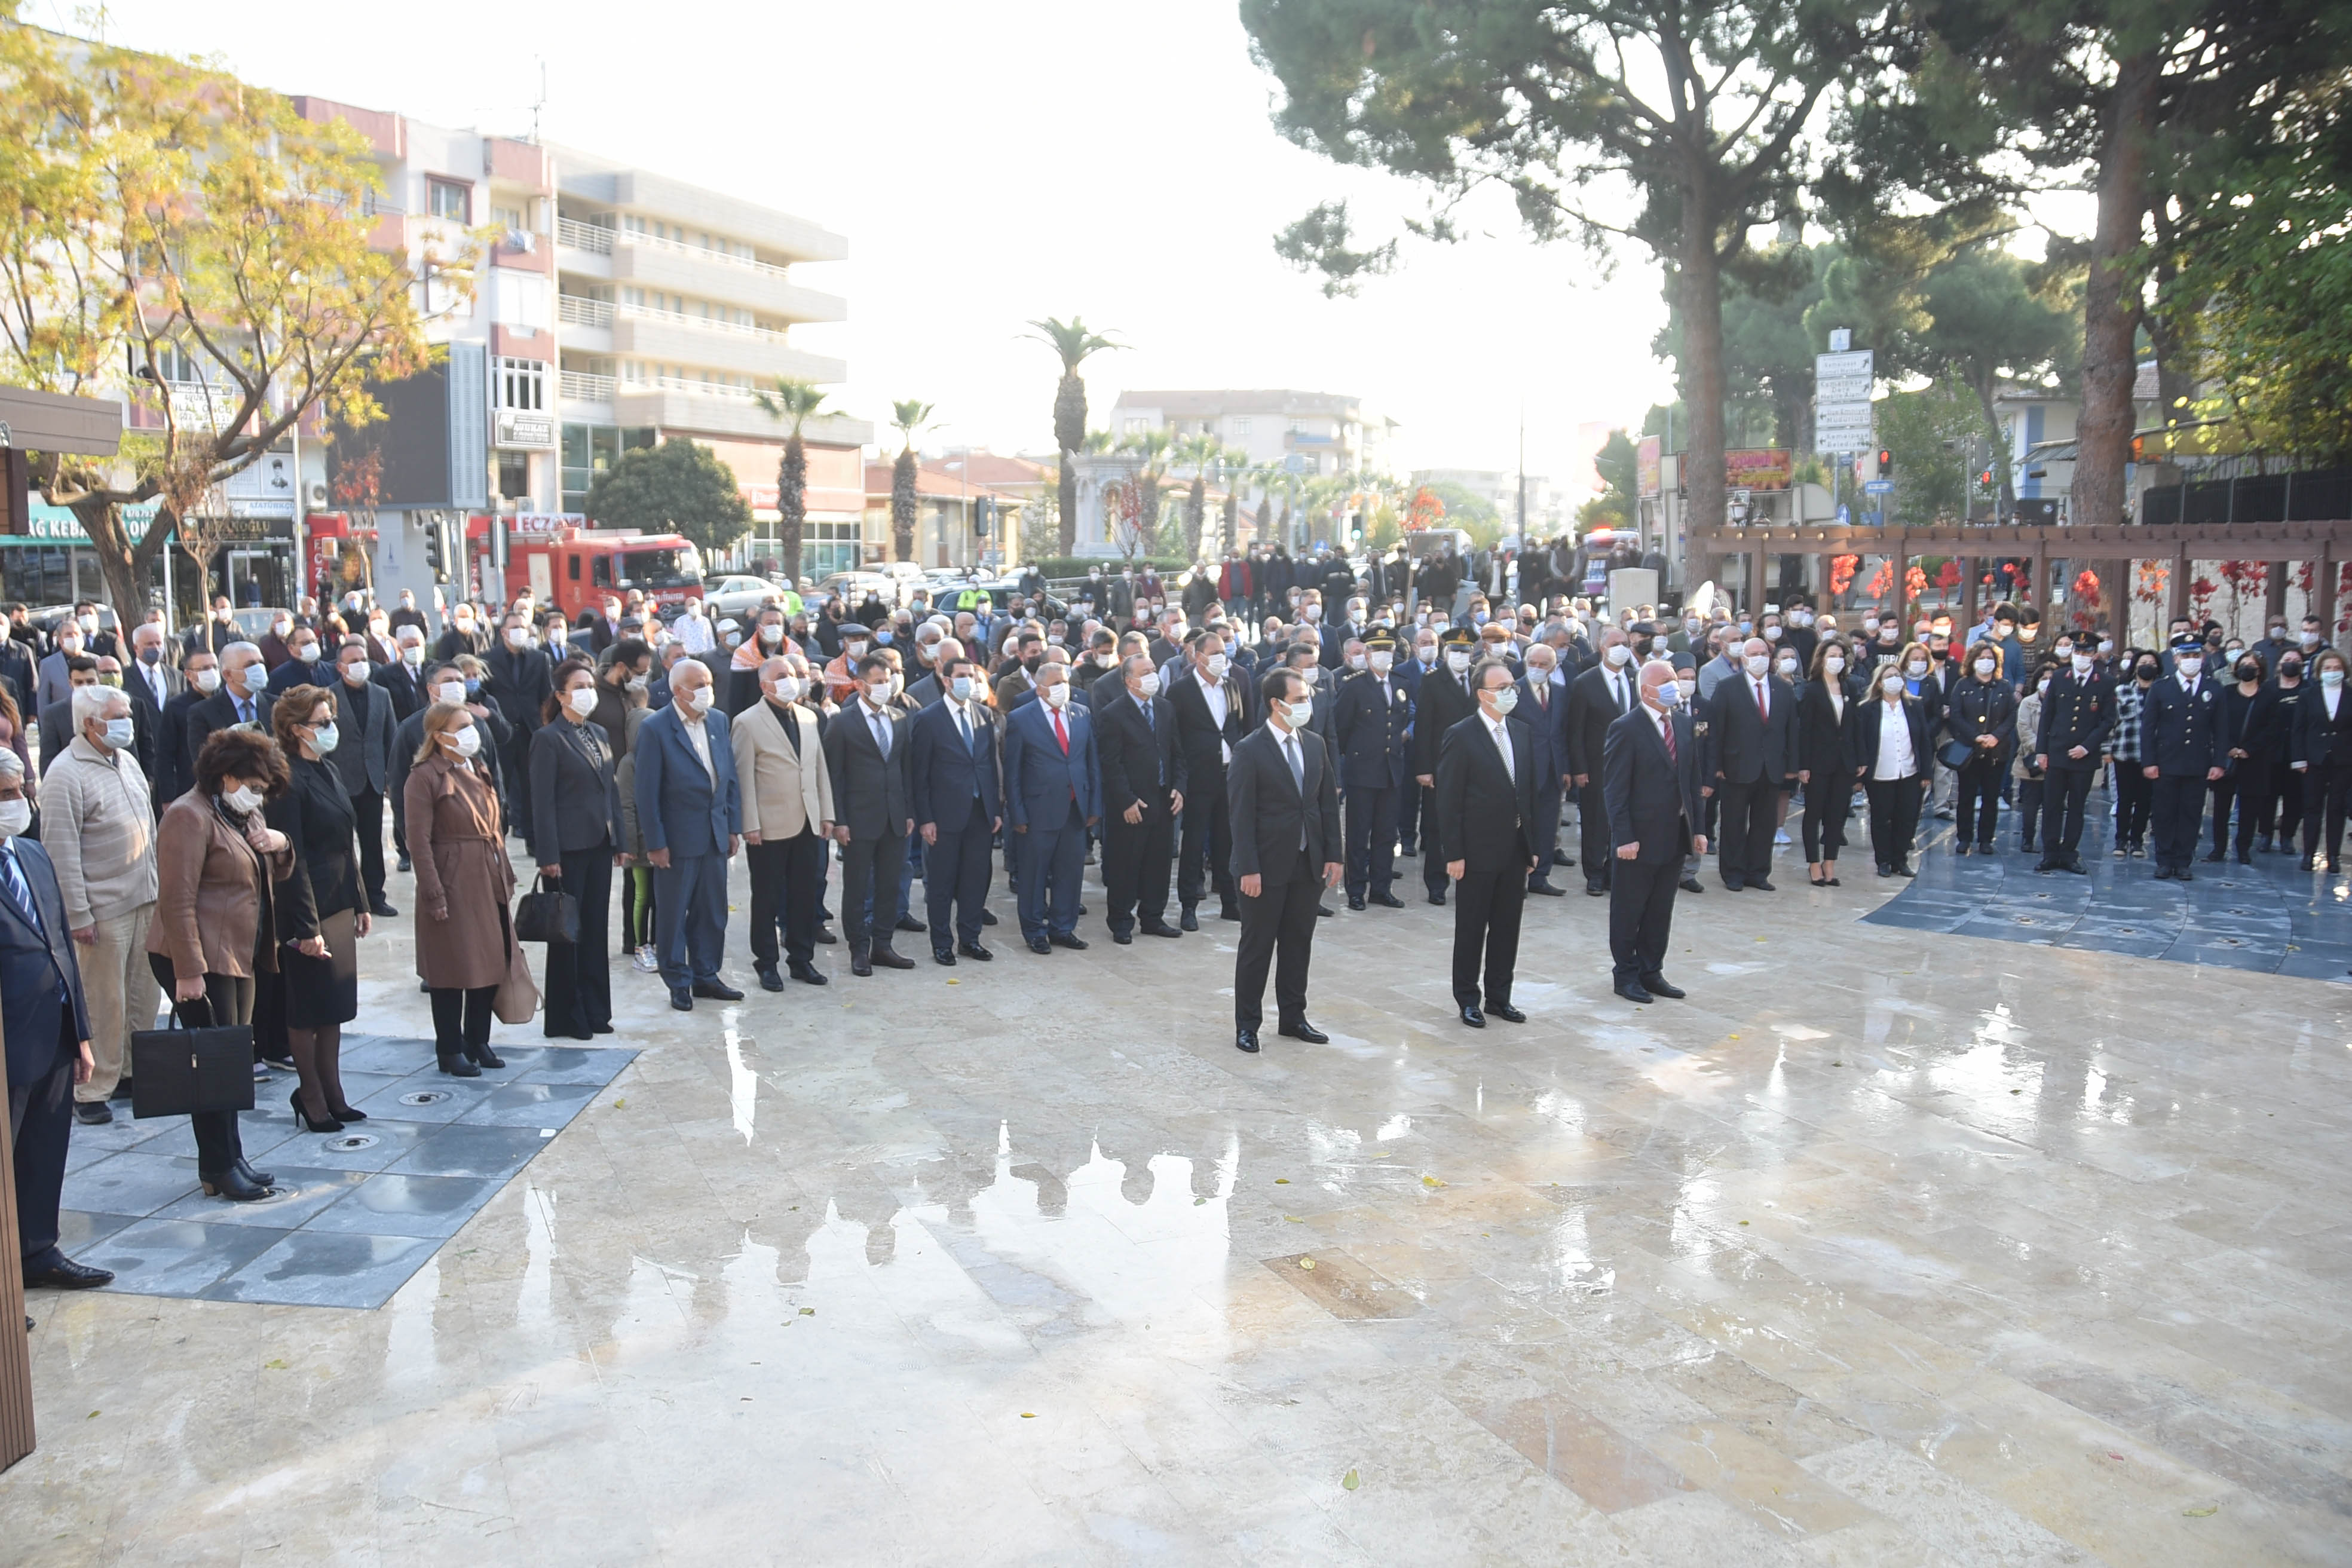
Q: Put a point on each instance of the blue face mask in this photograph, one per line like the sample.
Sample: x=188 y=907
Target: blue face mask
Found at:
x=882 y=638
x=473 y=684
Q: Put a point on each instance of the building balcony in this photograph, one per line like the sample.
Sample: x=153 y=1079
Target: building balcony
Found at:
x=593 y=250
x=665 y=336
x=694 y=207
x=680 y=403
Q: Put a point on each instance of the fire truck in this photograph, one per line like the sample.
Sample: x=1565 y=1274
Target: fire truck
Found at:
x=572 y=568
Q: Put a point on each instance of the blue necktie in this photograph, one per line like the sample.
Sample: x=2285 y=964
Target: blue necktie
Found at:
x=20 y=895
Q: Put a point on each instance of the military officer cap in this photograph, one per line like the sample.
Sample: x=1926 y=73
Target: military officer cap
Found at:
x=1380 y=640
x=1459 y=636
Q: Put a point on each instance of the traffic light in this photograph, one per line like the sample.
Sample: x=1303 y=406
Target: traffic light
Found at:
x=1885 y=463
x=434 y=558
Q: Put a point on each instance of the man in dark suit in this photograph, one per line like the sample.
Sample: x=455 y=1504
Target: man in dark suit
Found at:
x=1486 y=769
x=1144 y=787
x=958 y=805
x=402 y=680
x=47 y=1028
x=1053 y=794
x=867 y=747
x=1284 y=799
x=1212 y=715
x=690 y=813
x=1650 y=770
x=2180 y=749
x=1543 y=709
x=1445 y=701
x=518 y=678
x=362 y=758
x=602 y=625
x=175 y=771
x=54 y=723
x=1410 y=674
x=239 y=700
x=19 y=669
x=2078 y=714
x=1752 y=725
x=1372 y=728
x=151 y=682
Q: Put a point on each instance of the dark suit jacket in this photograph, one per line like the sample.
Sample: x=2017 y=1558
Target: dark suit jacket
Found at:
x=2318 y=739
x=680 y=806
x=315 y=814
x=1486 y=816
x=1371 y=737
x=1136 y=756
x=1865 y=724
x=404 y=684
x=1202 y=741
x=517 y=681
x=1821 y=732
x=947 y=773
x=1441 y=704
x=1038 y=778
x=1651 y=800
x=1750 y=747
x=2075 y=713
x=363 y=756
x=33 y=965
x=1268 y=809
x=218 y=711
x=872 y=795
x=175 y=766
x=2180 y=730
x=574 y=804
x=1546 y=726
x=1592 y=709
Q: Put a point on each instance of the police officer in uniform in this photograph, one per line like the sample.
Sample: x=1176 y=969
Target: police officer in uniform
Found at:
x=1369 y=725
x=2180 y=749
x=1446 y=699
x=2078 y=712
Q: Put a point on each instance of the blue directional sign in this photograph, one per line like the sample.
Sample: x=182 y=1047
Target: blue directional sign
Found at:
x=1878 y=487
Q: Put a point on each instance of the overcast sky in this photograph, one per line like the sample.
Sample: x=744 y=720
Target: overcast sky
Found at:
x=994 y=164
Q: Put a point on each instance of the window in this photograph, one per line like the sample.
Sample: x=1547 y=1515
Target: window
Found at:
x=508 y=218
x=1240 y=425
x=521 y=383
x=518 y=298
x=571 y=563
x=633 y=224
x=448 y=199
x=514 y=475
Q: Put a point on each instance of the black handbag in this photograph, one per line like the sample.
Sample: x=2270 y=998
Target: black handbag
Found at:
x=178 y=1072
x=547 y=914
x=1956 y=754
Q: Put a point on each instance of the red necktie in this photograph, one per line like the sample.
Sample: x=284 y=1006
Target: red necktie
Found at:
x=1762 y=710
x=1060 y=734
x=1667 y=729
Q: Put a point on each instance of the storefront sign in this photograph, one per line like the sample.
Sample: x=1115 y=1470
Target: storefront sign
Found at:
x=1756 y=468
x=1645 y=459
x=50 y=524
x=527 y=430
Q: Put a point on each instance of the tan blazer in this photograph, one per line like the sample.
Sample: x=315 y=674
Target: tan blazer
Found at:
x=212 y=904
x=783 y=793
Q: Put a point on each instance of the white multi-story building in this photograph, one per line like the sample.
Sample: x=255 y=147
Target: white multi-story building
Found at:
x=1307 y=432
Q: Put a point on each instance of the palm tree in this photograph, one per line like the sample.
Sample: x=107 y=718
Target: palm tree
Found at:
x=1073 y=341
x=1232 y=472
x=909 y=414
x=1197 y=453
x=794 y=403
x=1152 y=446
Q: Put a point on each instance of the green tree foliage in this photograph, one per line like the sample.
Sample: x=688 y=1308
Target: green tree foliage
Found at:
x=1933 y=434
x=679 y=486
x=908 y=415
x=1072 y=342
x=793 y=404
x=1990 y=322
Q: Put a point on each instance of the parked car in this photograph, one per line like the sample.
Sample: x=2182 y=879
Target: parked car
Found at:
x=853 y=586
x=738 y=595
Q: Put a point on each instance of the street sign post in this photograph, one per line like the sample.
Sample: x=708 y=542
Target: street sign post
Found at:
x=1878 y=487
x=1841 y=408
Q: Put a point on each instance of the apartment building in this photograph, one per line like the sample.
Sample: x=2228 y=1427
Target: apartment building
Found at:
x=1308 y=433
x=674 y=304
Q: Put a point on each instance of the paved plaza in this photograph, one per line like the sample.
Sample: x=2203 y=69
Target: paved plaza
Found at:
x=1888 y=1246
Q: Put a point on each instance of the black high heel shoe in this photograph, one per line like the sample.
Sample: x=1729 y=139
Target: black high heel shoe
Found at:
x=231 y=1185
x=302 y=1116
x=347 y=1115
x=458 y=1066
x=484 y=1056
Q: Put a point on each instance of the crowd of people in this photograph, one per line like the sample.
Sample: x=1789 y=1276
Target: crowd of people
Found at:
x=203 y=818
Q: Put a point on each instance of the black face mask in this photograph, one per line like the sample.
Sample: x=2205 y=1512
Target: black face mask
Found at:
x=2290 y=672
x=2146 y=673
x=2247 y=673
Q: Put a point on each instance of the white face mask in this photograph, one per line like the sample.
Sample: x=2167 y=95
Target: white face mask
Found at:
x=1381 y=663
x=1149 y=683
x=517 y=637
x=2189 y=667
x=467 y=740
x=1832 y=665
x=694 y=698
x=1689 y=688
x=1355 y=661
x=207 y=680
x=326 y=739
x=1457 y=659
x=1916 y=668
x=1618 y=654
x=412 y=654
x=1507 y=698
x=1300 y=713
x=357 y=670
x=582 y=700
x=2331 y=679
x=245 y=800
x=1758 y=663
x=2082 y=662
x=878 y=692
x=122 y=734
x=2310 y=638
x=788 y=689
x=1218 y=665
x=1787 y=668
x=1892 y=686
x=449 y=692
x=1985 y=666
x=1054 y=696
x=1771 y=634
x=15 y=815
x=1669 y=693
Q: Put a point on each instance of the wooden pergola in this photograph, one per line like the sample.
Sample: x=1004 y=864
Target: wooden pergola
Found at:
x=2108 y=550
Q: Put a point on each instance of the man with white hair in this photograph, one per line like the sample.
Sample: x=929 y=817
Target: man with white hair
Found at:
x=241 y=701
x=98 y=824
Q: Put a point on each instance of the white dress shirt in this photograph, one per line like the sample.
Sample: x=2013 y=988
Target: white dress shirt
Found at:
x=699 y=739
x=1213 y=692
x=1501 y=730
x=1894 y=758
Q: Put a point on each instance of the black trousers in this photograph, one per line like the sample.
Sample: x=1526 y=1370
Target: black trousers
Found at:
x=2324 y=787
x=1893 y=817
x=1746 y=812
x=1277 y=931
x=869 y=869
x=2064 y=791
x=955 y=880
x=368 y=806
x=1544 y=831
x=1979 y=789
x=1592 y=834
x=1432 y=845
x=1487 y=903
x=40 y=1112
x=2248 y=785
x=787 y=875
x=2178 y=814
x=514 y=776
x=579 y=973
x=1829 y=805
x=2286 y=806
x=2029 y=810
x=1137 y=860
x=1641 y=915
x=229 y=999
x=1372 y=839
x=1408 y=805
x=2135 y=791
x=1206 y=845
x=462 y=1019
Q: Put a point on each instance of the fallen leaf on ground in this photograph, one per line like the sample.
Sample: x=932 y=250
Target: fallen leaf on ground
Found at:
x=620 y=1104
x=2206 y=1512
x=1306 y=1263
x=1282 y=1181
x=1028 y=1415
x=808 y=1312
x=1431 y=1182
x=278 y=1365
x=1349 y=1481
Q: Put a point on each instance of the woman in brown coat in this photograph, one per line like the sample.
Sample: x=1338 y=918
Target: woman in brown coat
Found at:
x=465 y=939
x=215 y=930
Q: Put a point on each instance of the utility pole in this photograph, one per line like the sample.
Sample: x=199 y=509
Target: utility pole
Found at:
x=1523 y=474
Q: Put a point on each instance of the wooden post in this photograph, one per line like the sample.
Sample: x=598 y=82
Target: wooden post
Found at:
x=2176 y=591
x=1969 y=586
x=2323 y=590
x=1900 y=559
x=15 y=1349
x=1755 y=606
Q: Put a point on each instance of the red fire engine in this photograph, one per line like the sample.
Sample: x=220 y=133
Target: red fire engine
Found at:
x=573 y=568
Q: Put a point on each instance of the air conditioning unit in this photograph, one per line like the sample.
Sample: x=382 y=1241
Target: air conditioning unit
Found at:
x=317 y=493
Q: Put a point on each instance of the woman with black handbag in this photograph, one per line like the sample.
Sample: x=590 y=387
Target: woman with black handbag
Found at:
x=574 y=829
x=215 y=933
x=321 y=899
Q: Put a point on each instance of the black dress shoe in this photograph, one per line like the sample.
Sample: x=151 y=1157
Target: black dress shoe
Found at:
x=2214 y=858
x=2244 y=858
x=1039 y=944
x=259 y=1178
x=1960 y=849
x=2164 y=873
x=1388 y=901
x=1068 y=939
x=2184 y=874
x=1124 y=937
x=1547 y=890
x=65 y=1274
x=1904 y=870
x=1690 y=885
x=1562 y=857
x=405 y=864
x=1438 y=900
x=1160 y=928
x=1303 y=1030
x=1655 y=984
x=909 y=922
x=232 y=1186
x=1355 y=904
x=717 y=991
x=988 y=917
x=973 y=950
x=890 y=957
x=680 y=999
x=1325 y=911
x=860 y=965
x=942 y=955
x=93 y=1113
x=824 y=934
x=810 y=974
x=1505 y=1012
x=1187 y=919
x=770 y=980
x=1471 y=1015
x=1729 y=886
x=1228 y=913
x=1245 y=1040
x=1593 y=890
x=1762 y=885
x=1632 y=992
x=382 y=909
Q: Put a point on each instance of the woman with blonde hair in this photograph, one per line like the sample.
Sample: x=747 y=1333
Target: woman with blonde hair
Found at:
x=465 y=883
x=320 y=899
